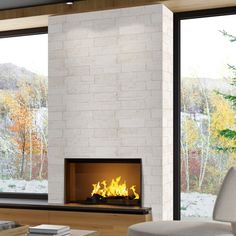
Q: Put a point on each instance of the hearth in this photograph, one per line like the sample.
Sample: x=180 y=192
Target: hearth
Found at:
x=103 y=181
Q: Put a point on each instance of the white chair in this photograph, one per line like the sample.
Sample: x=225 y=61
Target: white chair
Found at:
x=224 y=211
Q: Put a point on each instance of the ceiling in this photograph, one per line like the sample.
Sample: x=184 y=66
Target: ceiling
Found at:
x=10 y=4
x=174 y=5
x=23 y=14
x=24 y=23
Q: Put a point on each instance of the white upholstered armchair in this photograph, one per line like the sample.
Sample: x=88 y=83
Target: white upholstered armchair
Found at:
x=224 y=211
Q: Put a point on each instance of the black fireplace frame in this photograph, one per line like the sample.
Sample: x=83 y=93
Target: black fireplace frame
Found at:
x=105 y=160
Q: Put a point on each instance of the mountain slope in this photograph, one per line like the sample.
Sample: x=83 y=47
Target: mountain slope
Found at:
x=11 y=75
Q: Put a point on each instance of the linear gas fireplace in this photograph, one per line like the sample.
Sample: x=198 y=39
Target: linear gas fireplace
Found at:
x=103 y=181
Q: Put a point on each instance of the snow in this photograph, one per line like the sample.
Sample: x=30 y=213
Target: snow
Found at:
x=23 y=186
x=196 y=204
x=193 y=204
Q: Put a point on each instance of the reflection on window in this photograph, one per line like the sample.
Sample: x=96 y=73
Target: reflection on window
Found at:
x=208 y=110
x=23 y=114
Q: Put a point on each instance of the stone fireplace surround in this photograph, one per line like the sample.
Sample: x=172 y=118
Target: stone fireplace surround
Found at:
x=111 y=95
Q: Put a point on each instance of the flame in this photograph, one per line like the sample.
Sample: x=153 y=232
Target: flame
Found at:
x=114 y=189
x=136 y=196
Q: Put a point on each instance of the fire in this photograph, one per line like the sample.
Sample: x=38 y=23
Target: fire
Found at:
x=114 y=189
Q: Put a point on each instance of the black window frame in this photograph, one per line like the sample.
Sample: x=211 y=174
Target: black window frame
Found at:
x=177 y=93
x=18 y=33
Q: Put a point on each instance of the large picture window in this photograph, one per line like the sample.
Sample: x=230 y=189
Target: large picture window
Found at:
x=23 y=114
x=207 y=110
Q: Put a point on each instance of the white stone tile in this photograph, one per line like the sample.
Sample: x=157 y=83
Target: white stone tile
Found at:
x=133 y=114
x=131 y=85
x=133 y=141
x=104 y=142
x=106 y=152
x=130 y=123
x=104 y=115
x=128 y=152
x=55 y=116
x=79 y=152
x=55 y=133
x=55 y=28
x=105 y=133
x=103 y=42
x=131 y=105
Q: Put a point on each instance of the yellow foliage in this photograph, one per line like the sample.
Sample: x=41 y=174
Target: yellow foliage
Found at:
x=222 y=117
x=190 y=129
x=21 y=116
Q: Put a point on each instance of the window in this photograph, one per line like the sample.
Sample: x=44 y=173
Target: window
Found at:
x=24 y=113
x=207 y=110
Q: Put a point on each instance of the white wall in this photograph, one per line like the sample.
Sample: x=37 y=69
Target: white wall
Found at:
x=110 y=95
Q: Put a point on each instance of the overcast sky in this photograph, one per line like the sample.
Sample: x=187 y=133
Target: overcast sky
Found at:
x=30 y=52
x=205 y=51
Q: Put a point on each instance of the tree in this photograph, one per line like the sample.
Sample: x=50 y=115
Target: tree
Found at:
x=21 y=122
x=24 y=107
x=189 y=138
x=223 y=118
x=230 y=133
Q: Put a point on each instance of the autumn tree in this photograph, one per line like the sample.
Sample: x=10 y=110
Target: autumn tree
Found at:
x=21 y=121
x=28 y=128
x=189 y=139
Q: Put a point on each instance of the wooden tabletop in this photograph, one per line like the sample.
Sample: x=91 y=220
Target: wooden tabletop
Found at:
x=83 y=233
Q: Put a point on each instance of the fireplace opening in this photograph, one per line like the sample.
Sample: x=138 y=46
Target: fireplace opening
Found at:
x=103 y=181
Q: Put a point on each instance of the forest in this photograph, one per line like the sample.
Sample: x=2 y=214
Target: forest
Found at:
x=208 y=130
x=206 y=153
x=23 y=124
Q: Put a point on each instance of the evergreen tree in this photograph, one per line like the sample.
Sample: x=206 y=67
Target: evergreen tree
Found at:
x=230 y=133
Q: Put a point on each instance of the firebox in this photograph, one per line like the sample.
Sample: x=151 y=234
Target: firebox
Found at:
x=103 y=181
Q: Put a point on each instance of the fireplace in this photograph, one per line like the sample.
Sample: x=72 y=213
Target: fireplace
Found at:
x=103 y=181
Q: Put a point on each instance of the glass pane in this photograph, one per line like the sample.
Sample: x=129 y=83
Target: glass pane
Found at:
x=208 y=86
x=24 y=114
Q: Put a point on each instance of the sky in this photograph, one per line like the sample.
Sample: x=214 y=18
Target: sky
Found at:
x=205 y=52
x=30 y=52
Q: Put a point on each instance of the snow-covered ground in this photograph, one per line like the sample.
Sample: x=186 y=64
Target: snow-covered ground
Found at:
x=23 y=186
x=193 y=204
x=196 y=204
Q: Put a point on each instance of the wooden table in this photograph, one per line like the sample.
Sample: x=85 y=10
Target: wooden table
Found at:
x=21 y=230
x=83 y=233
